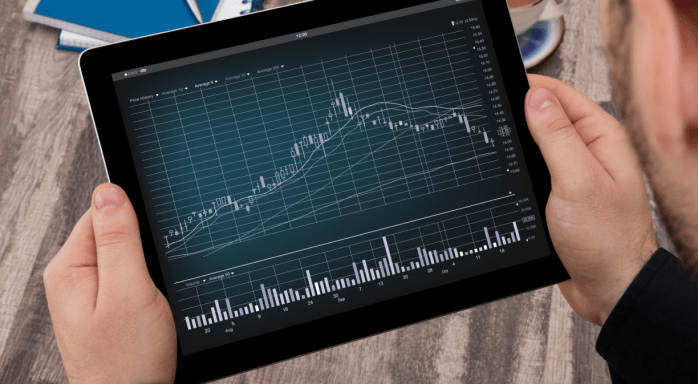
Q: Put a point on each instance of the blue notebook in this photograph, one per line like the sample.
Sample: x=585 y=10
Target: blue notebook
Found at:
x=225 y=9
x=113 y=21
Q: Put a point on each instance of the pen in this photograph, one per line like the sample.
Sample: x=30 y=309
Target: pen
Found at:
x=195 y=10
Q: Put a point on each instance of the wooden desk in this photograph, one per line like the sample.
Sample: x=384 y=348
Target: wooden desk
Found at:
x=50 y=163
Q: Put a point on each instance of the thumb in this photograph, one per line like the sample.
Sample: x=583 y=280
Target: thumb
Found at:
x=121 y=267
x=569 y=160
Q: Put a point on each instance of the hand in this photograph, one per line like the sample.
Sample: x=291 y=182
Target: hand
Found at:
x=598 y=213
x=111 y=323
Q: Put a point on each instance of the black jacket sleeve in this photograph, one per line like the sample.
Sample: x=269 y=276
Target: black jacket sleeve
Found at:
x=651 y=335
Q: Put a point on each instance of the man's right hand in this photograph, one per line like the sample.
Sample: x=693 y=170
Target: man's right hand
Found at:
x=598 y=213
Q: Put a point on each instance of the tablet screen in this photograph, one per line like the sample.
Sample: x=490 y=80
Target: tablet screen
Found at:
x=307 y=175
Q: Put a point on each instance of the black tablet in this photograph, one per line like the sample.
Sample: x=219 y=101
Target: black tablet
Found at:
x=318 y=173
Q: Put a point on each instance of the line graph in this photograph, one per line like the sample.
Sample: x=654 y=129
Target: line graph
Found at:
x=221 y=203
x=257 y=155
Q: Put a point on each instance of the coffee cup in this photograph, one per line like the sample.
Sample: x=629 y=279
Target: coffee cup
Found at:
x=525 y=13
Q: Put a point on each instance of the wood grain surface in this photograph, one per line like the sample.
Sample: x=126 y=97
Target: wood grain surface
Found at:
x=50 y=163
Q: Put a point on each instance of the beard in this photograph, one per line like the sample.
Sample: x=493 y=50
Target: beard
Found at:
x=673 y=197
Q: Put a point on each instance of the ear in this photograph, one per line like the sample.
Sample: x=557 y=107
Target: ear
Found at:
x=665 y=72
x=687 y=13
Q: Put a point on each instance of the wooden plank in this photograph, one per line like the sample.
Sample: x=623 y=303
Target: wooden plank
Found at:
x=44 y=107
x=559 y=360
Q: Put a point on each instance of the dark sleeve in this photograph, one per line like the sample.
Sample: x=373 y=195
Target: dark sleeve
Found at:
x=651 y=335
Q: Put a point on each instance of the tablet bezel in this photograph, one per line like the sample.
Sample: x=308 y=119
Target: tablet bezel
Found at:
x=98 y=64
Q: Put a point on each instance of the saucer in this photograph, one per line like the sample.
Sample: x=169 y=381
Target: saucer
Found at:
x=541 y=40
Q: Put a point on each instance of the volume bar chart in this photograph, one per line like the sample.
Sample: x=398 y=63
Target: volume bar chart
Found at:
x=362 y=275
x=335 y=270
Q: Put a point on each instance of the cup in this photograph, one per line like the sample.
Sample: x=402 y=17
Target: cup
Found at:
x=525 y=13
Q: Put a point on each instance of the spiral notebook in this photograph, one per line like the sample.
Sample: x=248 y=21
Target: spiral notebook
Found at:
x=86 y=23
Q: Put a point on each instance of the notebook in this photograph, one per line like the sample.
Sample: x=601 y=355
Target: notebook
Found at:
x=71 y=41
x=110 y=21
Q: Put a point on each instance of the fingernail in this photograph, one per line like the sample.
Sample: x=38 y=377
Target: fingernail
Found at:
x=108 y=198
x=540 y=99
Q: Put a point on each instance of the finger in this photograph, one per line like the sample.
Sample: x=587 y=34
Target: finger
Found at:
x=567 y=157
x=71 y=277
x=79 y=250
x=601 y=133
x=577 y=106
x=120 y=261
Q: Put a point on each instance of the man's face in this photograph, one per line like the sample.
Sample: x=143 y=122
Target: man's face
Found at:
x=647 y=55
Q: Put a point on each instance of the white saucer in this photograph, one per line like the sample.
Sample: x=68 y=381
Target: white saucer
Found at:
x=541 y=40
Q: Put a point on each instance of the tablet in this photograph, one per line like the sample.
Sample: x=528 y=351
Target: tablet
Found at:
x=318 y=173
